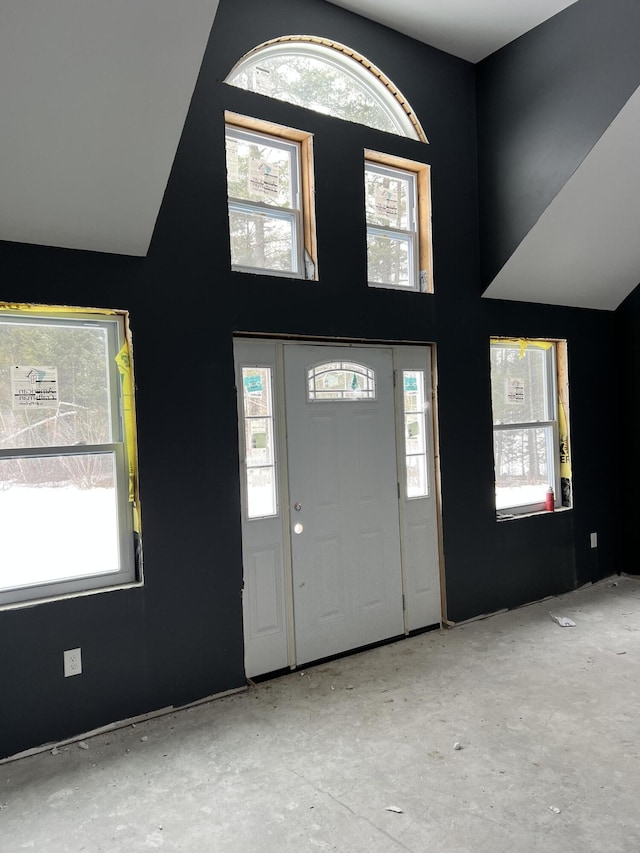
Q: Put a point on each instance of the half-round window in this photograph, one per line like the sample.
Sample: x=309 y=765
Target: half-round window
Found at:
x=328 y=77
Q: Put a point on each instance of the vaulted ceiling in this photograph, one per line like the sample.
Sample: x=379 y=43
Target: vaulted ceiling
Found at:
x=94 y=96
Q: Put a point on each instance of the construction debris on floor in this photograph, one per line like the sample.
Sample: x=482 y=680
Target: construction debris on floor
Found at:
x=498 y=735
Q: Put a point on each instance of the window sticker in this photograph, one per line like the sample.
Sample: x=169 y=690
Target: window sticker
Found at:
x=232 y=160
x=253 y=384
x=258 y=440
x=386 y=202
x=34 y=387
x=261 y=80
x=410 y=383
x=514 y=391
x=263 y=177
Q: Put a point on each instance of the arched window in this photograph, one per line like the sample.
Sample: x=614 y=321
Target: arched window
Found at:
x=341 y=380
x=328 y=77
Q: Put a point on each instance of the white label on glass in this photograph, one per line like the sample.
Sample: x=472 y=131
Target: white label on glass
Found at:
x=514 y=391
x=261 y=80
x=263 y=177
x=386 y=202
x=34 y=387
x=232 y=160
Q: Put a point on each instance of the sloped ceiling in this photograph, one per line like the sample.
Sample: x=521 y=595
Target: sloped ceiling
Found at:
x=94 y=95
x=584 y=250
x=470 y=29
x=93 y=98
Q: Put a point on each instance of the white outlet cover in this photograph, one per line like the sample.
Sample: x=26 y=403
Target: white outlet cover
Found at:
x=72 y=662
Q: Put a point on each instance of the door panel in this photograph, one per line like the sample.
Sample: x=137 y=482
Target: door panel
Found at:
x=264 y=595
x=419 y=526
x=347 y=580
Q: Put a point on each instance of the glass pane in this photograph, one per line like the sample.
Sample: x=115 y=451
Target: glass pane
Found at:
x=522 y=465
x=416 y=477
x=414 y=433
x=258 y=442
x=341 y=381
x=257 y=171
x=388 y=260
x=261 y=492
x=388 y=200
x=415 y=430
x=58 y=519
x=318 y=85
x=413 y=389
x=519 y=391
x=256 y=391
x=262 y=241
x=54 y=385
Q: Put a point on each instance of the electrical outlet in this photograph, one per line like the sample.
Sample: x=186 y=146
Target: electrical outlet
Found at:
x=594 y=540
x=72 y=662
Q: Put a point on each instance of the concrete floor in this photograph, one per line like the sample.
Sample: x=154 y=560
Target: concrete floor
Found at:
x=358 y=754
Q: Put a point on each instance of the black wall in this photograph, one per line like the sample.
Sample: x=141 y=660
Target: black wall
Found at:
x=179 y=637
x=625 y=450
x=543 y=102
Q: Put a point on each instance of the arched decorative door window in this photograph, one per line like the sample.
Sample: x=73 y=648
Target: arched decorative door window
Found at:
x=341 y=380
x=330 y=78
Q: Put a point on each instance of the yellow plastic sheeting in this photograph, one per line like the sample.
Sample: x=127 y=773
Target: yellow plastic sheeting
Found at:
x=123 y=361
x=563 y=430
x=523 y=343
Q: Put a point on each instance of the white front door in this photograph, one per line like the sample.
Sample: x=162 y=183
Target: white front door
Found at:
x=343 y=498
x=338 y=498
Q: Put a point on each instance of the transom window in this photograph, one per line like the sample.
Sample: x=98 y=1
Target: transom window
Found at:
x=67 y=456
x=327 y=77
x=341 y=380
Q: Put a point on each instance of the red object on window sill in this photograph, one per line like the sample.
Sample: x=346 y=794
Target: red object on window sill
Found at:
x=550 y=502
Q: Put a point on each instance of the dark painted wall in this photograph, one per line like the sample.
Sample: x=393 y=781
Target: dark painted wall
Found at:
x=180 y=637
x=626 y=448
x=543 y=102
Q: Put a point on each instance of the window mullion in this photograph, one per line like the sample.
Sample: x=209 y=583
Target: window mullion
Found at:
x=65 y=450
x=524 y=425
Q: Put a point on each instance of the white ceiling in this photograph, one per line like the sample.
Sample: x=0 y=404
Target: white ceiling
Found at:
x=471 y=29
x=94 y=94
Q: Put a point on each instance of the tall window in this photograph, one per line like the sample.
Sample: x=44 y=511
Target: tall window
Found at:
x=398 y=213
x=259 y=442
x=415 y=433
x=68 y=515
x=527 y=433
x=328 y=77
x=270 y=195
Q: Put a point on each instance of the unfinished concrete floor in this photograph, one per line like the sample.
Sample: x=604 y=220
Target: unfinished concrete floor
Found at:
x=358 y=754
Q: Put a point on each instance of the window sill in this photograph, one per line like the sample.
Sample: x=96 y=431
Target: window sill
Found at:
x=83 y=593
x=506 y=516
